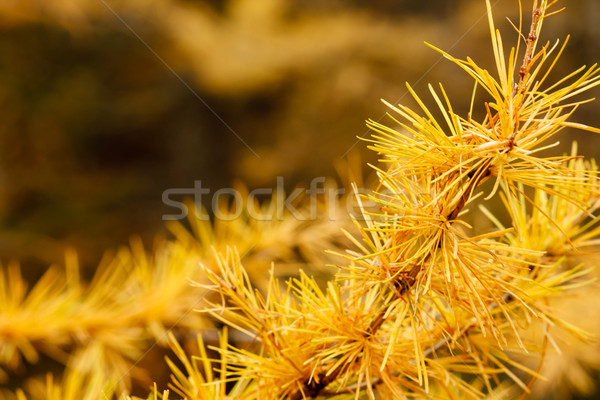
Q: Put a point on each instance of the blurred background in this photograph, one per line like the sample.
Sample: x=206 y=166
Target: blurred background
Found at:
x=104 y=104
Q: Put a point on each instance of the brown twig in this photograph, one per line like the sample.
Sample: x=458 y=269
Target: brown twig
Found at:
x=530 y=42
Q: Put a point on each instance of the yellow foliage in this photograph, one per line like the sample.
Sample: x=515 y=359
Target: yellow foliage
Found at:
x=424 y=306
